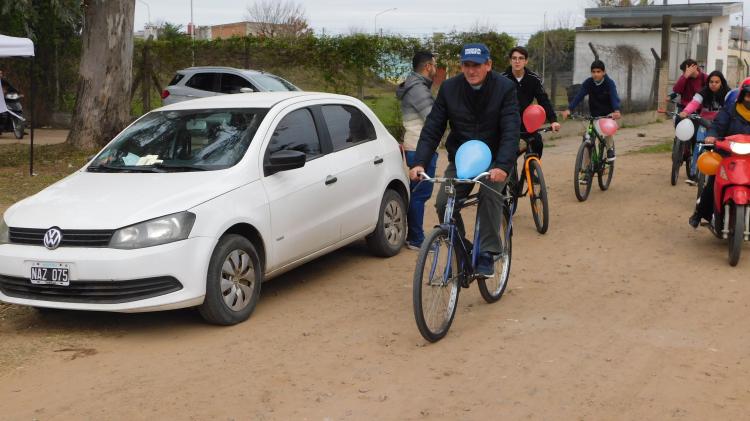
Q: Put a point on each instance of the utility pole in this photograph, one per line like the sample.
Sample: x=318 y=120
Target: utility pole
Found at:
x=192 y=32
x=666 y=27
x=544 y=44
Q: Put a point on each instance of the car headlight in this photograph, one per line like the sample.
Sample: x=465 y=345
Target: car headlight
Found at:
x=163 y=230
x=740 y=148
x=4 y=232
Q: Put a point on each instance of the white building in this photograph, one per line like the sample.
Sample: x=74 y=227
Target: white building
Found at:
x=632 y=35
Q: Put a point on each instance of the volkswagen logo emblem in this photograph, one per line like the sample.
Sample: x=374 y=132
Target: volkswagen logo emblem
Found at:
x=52 y=238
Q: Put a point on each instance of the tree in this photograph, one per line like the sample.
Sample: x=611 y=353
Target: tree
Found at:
x=278 y=18
x=170 y=31
x=102 y=106
x=554 y=49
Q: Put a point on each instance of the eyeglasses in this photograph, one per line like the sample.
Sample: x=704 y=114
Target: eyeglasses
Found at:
x=517 y=58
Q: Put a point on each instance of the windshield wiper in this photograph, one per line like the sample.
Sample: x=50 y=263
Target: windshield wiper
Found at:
x=179 y=167
x=125 y=168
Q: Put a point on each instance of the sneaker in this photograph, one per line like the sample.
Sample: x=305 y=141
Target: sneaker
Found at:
x=611 y=155
x=695 y=220
x=486 y=265
x=690 y=182
x=413 y=246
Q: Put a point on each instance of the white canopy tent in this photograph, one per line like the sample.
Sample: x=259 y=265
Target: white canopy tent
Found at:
x=20 y=47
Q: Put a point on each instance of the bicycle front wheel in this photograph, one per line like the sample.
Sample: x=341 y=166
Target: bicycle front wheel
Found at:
x=606 y=171
x=583 y=175
x=676 y=161
x=538 y=197
x=492 y=289
x=436 y=285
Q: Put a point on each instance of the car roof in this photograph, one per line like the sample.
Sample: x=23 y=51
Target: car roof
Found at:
x=250 y=100
x=210 y=68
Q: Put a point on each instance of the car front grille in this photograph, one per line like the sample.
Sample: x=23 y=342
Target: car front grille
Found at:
x=90 y=292
x=70 y=238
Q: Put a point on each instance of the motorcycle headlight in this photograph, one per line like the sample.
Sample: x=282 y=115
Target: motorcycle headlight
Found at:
x=163 y=230
x=4 y=232
x=12 y=97
x=740 y=148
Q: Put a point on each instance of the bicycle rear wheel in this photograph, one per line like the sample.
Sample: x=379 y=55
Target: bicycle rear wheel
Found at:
x=676 y=161
x=606 y=170
x=436 y=286
x=701 y=182
x=538 y=197
x=492 y=289
x=583 y=175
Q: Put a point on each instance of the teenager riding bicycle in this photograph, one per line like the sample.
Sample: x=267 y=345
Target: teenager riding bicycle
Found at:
x=529 y=88
x=603 y=100
x=479 y=104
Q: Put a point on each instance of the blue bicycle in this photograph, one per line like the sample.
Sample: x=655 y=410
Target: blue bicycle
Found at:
x=447 y=262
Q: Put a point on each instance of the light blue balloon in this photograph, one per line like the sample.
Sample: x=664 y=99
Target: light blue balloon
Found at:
x=472 y=158
x=731 y=97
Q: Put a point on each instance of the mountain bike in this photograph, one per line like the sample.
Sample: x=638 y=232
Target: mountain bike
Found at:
x=447 y=262
x=532 y=182
x=591 y=159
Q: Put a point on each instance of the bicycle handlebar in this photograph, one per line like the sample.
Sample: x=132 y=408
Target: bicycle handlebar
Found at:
x=476 y=179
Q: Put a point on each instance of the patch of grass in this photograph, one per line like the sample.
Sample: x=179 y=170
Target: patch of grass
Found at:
x=664 y=147
x=51 y=163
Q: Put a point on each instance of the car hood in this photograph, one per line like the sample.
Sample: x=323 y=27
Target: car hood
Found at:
x=86 y=200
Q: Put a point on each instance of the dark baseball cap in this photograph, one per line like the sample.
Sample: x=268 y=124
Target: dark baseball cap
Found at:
x=475 y=53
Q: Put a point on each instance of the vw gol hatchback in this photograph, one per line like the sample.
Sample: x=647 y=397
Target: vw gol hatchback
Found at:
x=197 y=203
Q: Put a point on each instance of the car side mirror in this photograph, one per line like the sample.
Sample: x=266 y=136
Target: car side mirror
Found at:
x=284 y=160
x=246 y=90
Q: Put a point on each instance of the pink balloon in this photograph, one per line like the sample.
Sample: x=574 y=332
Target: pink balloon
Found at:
x=533 y=117
x=607 y=126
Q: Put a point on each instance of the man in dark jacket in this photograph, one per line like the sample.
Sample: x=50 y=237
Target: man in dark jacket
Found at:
x=479 y=104
x=7 y=87
x=603 y=100
x=529 y=88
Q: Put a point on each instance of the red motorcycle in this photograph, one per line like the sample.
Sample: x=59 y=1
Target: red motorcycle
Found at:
x=731 y=192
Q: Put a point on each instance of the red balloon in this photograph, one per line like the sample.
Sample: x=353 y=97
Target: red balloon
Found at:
x=607 y=126
x=533 y=117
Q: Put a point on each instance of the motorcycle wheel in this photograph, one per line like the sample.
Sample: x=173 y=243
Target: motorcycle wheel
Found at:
x=18 y=128
x=737 y=236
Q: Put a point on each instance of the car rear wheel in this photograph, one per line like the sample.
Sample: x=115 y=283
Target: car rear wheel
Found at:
x=390 y=232
x=233 y=281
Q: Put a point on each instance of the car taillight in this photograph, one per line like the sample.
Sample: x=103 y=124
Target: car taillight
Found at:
x=740 y=148
x=164 y=94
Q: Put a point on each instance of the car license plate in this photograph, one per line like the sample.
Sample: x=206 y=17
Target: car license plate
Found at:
x=47 y=273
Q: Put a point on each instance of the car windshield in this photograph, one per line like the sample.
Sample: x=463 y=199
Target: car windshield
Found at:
x=273 y=83
x=186 y=140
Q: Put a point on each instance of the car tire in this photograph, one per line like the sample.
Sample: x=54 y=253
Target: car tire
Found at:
x=390 y=232
x=232 y=282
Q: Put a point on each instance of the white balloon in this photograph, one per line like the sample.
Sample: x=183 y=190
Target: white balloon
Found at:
x=684 y=130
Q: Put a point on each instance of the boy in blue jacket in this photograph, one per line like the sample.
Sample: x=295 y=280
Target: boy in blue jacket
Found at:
x=603 y=100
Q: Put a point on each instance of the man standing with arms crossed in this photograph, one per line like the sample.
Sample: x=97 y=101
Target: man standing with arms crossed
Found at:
x=416 y=104
x=479 y=104
x=529 y=88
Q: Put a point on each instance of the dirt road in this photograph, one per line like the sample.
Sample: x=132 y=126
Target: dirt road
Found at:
x=620 y=312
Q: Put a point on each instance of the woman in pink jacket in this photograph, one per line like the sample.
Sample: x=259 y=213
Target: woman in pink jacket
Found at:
x=710 y=98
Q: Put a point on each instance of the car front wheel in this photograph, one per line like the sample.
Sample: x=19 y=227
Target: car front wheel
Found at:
x=390 y=232
x=233 y=281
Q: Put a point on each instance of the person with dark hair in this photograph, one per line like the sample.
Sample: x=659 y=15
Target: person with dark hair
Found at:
x=711 y=97
x=603 y=100
x=690 y=83
x=7 y=87
x=416 y=103
x=479 y=104
x=529 y=88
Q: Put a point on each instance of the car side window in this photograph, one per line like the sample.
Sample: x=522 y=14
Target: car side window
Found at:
x=202 y=81
x=347 y=125
x=231 y=83
x=297 y=132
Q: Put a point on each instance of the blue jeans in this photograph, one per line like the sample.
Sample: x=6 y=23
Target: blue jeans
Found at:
x=415 y=216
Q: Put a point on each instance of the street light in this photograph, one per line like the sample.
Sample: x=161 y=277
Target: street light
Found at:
x=148 y=10
x=380 y=13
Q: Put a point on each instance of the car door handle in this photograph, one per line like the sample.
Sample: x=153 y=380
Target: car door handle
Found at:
x=330 y=180
x=378 y=160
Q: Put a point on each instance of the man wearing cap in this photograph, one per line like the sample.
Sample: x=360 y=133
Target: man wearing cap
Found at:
x=479 y=104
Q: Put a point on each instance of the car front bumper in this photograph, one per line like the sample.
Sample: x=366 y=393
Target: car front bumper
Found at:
x=103 y=279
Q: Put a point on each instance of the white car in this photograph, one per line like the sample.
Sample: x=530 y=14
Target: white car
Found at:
x=197 y=203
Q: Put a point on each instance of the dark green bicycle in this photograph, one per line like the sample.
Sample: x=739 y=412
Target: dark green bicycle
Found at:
x=592 y=159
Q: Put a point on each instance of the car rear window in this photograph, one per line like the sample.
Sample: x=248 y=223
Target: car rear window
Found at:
x=176 y=79
x=347 y=126
x=202 y=81
x=272 y=83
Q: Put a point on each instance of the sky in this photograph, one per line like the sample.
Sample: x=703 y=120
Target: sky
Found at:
x=520 y=18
